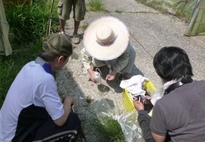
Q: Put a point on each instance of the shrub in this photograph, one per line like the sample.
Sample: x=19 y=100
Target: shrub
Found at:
x=27 y=23
x=95 y=5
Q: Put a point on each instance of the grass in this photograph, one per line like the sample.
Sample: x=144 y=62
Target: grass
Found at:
x=109 y=130
x=95 y=5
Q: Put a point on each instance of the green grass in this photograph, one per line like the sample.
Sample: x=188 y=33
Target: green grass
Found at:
x=95 y=5
x=109 y=130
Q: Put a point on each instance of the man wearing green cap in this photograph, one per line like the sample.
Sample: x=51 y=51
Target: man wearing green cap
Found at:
x=32 y=109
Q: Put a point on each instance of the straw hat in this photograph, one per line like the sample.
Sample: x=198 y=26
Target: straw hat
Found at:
x=106 y=38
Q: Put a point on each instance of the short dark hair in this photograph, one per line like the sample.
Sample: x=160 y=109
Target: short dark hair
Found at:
x=172 y=63
x=56 y=45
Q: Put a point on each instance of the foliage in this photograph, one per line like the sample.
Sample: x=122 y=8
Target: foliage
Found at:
x=11 y=65
x=95 y=5
x=28 y=23
x=109 y=130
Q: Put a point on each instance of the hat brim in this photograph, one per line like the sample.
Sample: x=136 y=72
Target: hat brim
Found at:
x=109 y=52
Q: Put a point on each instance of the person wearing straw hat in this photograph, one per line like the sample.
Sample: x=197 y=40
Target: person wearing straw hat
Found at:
x=33 y=110
x=106 y=42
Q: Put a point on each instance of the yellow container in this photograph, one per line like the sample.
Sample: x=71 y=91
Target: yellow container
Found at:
x=127 y=99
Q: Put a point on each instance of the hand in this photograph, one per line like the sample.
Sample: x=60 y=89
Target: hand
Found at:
x=138 y=105
x=92 y=75
x=111 y=75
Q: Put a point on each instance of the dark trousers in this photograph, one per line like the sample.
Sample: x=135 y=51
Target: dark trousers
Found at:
x=34 y=123
x=49 y=131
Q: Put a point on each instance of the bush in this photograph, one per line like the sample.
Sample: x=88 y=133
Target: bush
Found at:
x=27 y=23
x=109 y=130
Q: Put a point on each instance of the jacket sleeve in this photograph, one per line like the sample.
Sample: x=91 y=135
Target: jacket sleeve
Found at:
x=122 y=61
x=144 y=122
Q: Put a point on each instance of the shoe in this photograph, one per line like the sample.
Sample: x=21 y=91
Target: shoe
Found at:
x=76 y=39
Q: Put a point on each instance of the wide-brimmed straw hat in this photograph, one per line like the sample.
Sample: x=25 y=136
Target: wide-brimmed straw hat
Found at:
x=106 y=38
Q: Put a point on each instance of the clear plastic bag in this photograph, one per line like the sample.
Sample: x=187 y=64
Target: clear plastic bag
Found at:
x=104 y=110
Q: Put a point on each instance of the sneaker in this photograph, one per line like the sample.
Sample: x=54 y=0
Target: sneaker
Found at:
x=76 y=39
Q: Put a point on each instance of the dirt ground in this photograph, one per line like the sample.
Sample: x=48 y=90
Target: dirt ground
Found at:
x=149 y=31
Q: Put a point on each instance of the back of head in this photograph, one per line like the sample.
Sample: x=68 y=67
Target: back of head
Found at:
x=56 y=45
x=172 y=63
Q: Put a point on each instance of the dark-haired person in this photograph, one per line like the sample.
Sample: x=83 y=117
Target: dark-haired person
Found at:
x=32 y=109
x=180 y=112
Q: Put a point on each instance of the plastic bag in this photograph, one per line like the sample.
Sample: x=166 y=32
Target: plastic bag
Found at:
x=104 y=110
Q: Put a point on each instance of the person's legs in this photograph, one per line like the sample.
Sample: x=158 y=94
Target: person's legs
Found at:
x=62 y=26
x=64 y=10
x=76 y=26
x=49 y=131
x=79 y=11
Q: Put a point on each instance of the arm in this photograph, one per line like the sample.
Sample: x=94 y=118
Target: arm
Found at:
x=67 y=103
x=158 y=123
x=158 y=138
x=122 y=61
x=50 y=99
x=144 y=121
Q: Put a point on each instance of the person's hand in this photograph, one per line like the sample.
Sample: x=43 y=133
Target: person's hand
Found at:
x=92 y=75
x=111 y=75
x=138 y=105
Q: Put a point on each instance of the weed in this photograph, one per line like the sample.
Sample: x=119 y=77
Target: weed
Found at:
x=109 y=130
x=95 y=5
x=27 y=23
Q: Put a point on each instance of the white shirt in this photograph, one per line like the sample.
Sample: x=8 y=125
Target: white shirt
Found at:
x=32 y=86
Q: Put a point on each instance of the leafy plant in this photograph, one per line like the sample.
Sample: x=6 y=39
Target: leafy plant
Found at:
x=95 y=5
x=28 y=23
x=109 y=130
